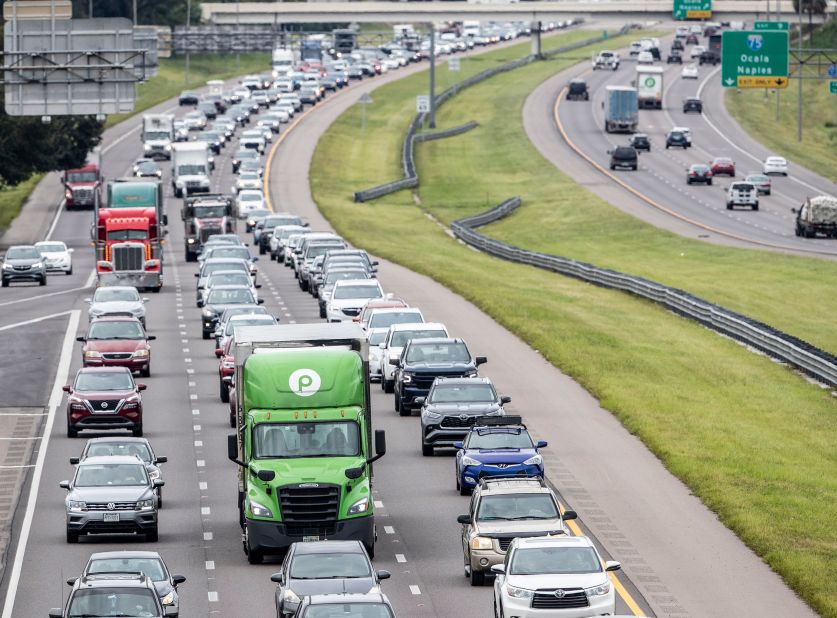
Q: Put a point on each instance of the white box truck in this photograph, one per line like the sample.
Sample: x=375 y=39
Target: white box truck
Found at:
x=157 y=135
x=282 y=62
x=649 y=86
x=190 y=168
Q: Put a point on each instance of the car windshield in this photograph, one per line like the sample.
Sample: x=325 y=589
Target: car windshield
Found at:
x=23 y=253
x=82 y=177
x=401 y=337
x=105 y=602
x=385 y=320
x=348 y=610
x=549 y=560
x=315 y=251
x=148 y=166
x=109 y=295
x=517 y=506
x=116 y=475
x=438 y=353
x=742 y=186
x=111 y=449
x=277 y=221
x=246 y=154
x=241 y=253
x=357 y=291
x=700 y=168
x=260 y=321
x=53 y=247
x=292 y=440
x=122 y=329
x=229 y=296
x=251 y=310
x=214 y=210
x=250 y=197
x=332 y=277
x=461 y=393
x=223 y=278
x=377 y=337
x=329 y=566
x=104 y=381
x=208 y=269
x=508 y=439
x=757 y=178
x=152 y=567
x=249 y=176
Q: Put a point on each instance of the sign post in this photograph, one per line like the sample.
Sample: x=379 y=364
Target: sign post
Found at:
x=692 y=9
x=754 y=59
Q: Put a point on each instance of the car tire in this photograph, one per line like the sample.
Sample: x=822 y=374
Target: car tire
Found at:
x=709 y=182
x=322 y=312
x=427 y=450
x=767 y=193
x=463 y=491
x=402 y=409
x=756 y=206
x=477 y=578
x=136 y=431
x=146 y=373
x=262 y=250
x=159 y=497
x=205 y=334
x=72 y=537
x=389 y=386
x=5 y=283
x=729 y=206
x=69 y=272
x=225 y=393
x=152 y=535
x=72 y=432
x=42 y=281
x=666 y=146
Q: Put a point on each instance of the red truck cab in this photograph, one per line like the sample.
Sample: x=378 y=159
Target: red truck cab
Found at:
x=82 y=187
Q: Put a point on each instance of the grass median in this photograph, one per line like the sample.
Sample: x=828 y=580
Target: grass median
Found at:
x=751 y=439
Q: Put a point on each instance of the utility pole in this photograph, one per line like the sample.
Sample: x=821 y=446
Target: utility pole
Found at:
x=432 y=118
x=90 y=9
x=188 y=25
x=135 y=13
x=236 y=39
x=799 y=79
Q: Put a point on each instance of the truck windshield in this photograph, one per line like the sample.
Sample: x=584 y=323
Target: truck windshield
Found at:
x=157 y=135
x=401 y=337
x=385 y=320
x=320 y=439
x=348 y=610
x=203 y=212
x=128 y=235
x=438 y=353
x=82 y=177
x=191 y=170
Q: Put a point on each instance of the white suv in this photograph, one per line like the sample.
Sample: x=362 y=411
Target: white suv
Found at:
x=742 y=194
x=553 y=576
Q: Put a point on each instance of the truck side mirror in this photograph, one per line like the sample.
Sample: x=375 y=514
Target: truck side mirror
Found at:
x=232 y=446
x=505 y=399
x=353 y=473
x=67 y=388
x=395 y=362
x=64 y=484
x=419 y=401
x=380 y=442
x=161 y=460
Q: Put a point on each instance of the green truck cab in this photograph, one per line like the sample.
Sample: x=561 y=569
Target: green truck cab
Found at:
x=303 y=437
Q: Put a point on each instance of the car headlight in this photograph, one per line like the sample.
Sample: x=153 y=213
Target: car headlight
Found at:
x=470 y=373
x=208 y=314
x=289 y=596
x=597 y=591
x=518 y=593
x=38 y=265
x=8 y=267
x=470 y=461
x=76 y=506
x=259 y=510
x=480 y=542
x=141 y=353
x=251 y=222
x=361 y=506
x=154 y=475
x=92 y=354
x=431 y=415
x=167 y=147
x=168 y=599
x=145 y=505
x=407 y=377
x=536 y=460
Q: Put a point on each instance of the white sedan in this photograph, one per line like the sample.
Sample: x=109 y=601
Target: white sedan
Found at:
x=57 y=256
x=696 y=51
x=775 y=165
x=248 y=180
x=249 y=200
x=689 y=71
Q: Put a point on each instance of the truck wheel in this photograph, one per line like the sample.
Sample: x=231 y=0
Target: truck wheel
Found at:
x=225 y=393
x=72 y=537
x=402 y=409
x=5 y=283
x=756 y=206
x=477 y=577
x=254 y=557
x=262 y=250
x=729 y=206
x=322 y=312
x=797 y=231
x=427 y=450
x=42 y=281
x=205 y=334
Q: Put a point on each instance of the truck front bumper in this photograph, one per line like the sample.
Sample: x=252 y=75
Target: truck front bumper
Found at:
x=134 y=278
x=270 y=537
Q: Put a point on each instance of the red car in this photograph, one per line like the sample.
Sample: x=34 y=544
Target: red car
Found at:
x=113 y=341
x=722 y=165
x=104 y=398
x=226 y=368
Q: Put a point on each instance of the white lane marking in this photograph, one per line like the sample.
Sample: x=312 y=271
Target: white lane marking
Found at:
x=196 y=412
x=196 y=427
x=212 y=596
x=187 y=360
x=210 y=565
x=40 y=296
x=201 y=463
x=207 y=536
x=24 y=438
x=34 y=320
x=389 y=530
x=22 y=413
x=205 y=510
x=198 y=443
x=415 y=589
x=400 y=558
x=379 y=504
x=91 y=279
x=15 y=468
x=203 y=485
x=61 y=205
x=54 y=401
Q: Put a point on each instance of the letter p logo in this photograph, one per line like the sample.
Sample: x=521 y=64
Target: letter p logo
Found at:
x=304 y=382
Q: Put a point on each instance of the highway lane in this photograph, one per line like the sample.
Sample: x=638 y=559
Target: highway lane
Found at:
x=661 y=177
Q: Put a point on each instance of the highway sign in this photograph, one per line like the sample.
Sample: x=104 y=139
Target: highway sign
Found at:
x=422 y=104
x=832 y=86
x=453 y=64
x=770 y=25
x=754 y=59
x=692 y=9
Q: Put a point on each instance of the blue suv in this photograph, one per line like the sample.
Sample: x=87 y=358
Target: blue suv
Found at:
x=497 y=446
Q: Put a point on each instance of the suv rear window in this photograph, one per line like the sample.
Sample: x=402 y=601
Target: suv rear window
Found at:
x=438 y=353
x=517 y=507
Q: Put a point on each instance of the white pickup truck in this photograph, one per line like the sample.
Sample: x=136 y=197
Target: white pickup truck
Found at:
x=606 y=60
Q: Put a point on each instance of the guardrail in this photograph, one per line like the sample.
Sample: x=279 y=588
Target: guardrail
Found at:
x=408 y=165
x=781 y=346
x=458 y=130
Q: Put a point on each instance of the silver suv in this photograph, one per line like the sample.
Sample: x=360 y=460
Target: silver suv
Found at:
x=501 y=510
x=111 y=495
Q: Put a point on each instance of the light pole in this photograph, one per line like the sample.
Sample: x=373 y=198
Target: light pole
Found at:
x=188 y=25
x=236 y=38
x=135 y=13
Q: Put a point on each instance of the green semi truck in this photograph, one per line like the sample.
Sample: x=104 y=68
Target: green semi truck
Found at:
x=303 y=437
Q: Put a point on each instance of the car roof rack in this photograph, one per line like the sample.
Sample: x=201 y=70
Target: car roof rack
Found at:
x=499 y=421
x=534 y=481
x=138 y=575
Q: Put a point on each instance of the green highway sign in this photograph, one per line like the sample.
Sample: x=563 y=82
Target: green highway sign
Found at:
x=770 y=25
x=832 y=86
x=754 y=59
x=692 y=9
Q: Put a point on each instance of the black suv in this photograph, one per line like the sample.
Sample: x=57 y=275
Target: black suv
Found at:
x=451 y=408
x=674 y=57
x=624 y=157
x=424 y=360
x=709 y=57
x=677 y=138
x=577 y=90
x=692 y=104
x=113 y=594
x=640 y=141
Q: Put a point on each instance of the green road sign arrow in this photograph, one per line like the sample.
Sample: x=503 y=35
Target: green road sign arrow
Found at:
x=729 y=81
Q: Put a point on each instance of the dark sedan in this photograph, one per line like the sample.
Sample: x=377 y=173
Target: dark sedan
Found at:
x=640 y=141
x=692 y=104
x=699 y=173
x=222 y=297
x=675 y=57
x=188 y=98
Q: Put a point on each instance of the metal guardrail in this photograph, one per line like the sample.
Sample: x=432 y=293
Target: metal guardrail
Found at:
x=458 y=130
x=781 y=346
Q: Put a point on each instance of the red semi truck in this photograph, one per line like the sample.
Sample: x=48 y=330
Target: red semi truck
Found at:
x=82 y=187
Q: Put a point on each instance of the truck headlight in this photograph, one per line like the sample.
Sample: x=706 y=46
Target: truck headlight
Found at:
x=469 y=461
x=518 y=593
x=597 y=591
x=167 y=147
x=480 y=542
x=361 y=506
x=76 y=506
x=259 y=510
x=154 y=475
x=145 y=505
x=536 y=460
x=407 y=377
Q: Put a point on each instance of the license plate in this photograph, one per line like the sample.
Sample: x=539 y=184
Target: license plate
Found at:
x=309 y=539
x=111 y=517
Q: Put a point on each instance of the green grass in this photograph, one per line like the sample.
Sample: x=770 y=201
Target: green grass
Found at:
x=171 y=77
x=13 y=198
x=818 y=148
x=751 y=439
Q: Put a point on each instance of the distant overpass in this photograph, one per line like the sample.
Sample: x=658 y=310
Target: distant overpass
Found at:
x=415 y=12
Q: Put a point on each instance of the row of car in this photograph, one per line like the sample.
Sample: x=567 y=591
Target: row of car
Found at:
x=34 y=262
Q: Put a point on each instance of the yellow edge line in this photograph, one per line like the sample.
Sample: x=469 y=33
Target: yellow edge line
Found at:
x=657 y=205
x=620 y=589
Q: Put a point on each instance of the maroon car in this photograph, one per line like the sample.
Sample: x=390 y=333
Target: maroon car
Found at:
x=117 y=341
x=104 y=398
x=226 y=367
x=723 y=165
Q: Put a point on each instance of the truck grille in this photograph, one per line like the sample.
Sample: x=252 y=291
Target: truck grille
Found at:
x=565 y=598
x=128 y=257
x=117 y=506
x=83 y=195
x=311 y=509
x=206 y=232
x=455 y=421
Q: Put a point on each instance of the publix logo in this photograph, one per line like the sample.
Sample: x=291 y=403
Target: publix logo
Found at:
x=304 y=382
x=650 y=82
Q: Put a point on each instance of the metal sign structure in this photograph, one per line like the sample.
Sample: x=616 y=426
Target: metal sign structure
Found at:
x=59 y=67
x=752 y=59
x=771 y=25
x=422 y=104
x=692 y=9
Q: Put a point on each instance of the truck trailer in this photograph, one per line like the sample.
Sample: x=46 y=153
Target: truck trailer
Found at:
x=649 y=84
x=817 y=216
x=157 y=135
x=303 y=439
x=190 y=168
x=620 y=108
